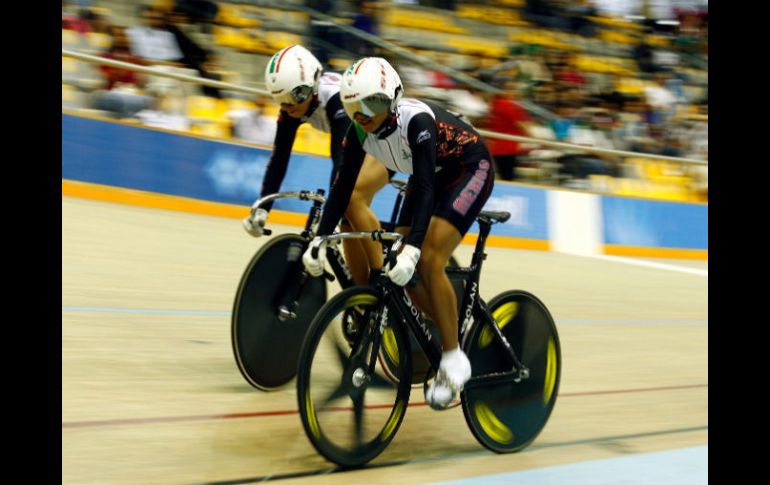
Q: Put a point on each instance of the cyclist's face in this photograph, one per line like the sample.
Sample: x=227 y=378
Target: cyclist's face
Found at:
x=296 y=110
x=370 y=124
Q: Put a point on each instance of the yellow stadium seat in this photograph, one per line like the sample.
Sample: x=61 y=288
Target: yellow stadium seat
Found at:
x=69 y=65
x=214 y=130
x=98 y=41
x=69 y=38
x=67 y=93
x=238 y=103
x=206 y=108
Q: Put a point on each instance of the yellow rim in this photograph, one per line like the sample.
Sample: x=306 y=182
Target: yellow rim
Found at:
x=550 y=372
x=391 y=347
x=311 y=417
x=503 y=315
x=391 y=424
x=492 y=426
x=360 y=300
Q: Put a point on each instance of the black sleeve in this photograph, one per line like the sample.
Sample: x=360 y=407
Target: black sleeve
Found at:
x=340 y=123
x=343 y=185
x=279 y=160
x=422 y=136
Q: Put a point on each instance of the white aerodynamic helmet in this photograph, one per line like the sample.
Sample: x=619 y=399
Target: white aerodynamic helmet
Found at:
x=292 y=75
x=370 y=86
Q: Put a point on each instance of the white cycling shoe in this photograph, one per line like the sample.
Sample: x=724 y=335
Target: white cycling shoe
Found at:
x=453 y=372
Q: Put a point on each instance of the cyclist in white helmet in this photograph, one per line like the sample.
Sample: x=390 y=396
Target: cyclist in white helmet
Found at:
x=450 y=179
x=295 y=79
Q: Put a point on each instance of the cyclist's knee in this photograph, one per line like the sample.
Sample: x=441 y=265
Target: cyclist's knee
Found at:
x=431 y=264
x=358 y=202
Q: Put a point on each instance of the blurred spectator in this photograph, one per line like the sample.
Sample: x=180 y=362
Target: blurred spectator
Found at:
x=198 y=11
x=577 y=166
x=122 y=95
x=469 y=102
x=319 y=30
x=660 y=98
x=552 y=58
x=642 y=53
x=74 y=18
x=252 y=125
x=545 y=13
x=167 y=108
x=507 y=116
x=544 y=95
x=193 y=55
x=567 y=115
x=212 y=69
x=151 y=41
x=577 y=13
x=631 y=132
x=365 y=19
x=566 y=74
x=98 y=21
x=530 y=66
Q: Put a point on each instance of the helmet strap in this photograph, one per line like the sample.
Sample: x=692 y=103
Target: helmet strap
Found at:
x=311 y=108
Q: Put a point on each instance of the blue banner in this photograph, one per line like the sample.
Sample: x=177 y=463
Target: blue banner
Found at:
x=133 y=157
x=528 y=208
x=145 y=159
x=638 y=222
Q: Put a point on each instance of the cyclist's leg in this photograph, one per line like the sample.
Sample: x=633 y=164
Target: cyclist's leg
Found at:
x=457 y=205
x=403 y=226
x=440 y=242
x=364 y=254
x=355 y=256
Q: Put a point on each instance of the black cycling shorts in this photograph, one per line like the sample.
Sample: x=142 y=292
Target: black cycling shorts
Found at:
x=459 y=194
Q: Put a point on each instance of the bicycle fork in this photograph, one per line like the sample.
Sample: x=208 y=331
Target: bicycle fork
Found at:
x=362 y=364
x=293 y=284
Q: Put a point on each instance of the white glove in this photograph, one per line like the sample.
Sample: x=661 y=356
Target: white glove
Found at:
x=255 y=225
x=406 y=262
x=315 y=266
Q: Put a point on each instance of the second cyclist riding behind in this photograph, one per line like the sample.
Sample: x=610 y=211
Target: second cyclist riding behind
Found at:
x=306 y=94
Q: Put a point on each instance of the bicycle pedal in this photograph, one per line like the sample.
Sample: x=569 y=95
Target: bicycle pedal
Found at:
x=438 y=396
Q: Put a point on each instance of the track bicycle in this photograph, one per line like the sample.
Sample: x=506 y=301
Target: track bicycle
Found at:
x=350 y=413
x=276 y=299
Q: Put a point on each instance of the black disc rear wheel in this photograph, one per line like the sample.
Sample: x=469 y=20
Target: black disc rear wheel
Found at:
x=266 y=349
x=507 y=416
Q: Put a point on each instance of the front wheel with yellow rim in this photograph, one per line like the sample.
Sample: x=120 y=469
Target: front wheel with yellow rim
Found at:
x=507 y=413
x=349 y=411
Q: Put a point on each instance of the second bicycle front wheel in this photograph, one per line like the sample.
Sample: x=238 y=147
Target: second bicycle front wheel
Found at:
x=349 y=411
x=506 y=416
x=266 y=348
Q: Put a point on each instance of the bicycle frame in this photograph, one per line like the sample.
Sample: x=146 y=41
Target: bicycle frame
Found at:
x=473 y=310
x=293 y=288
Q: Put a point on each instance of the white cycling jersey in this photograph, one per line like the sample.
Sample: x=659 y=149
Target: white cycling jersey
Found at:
x=328 y=86
x=393 y=151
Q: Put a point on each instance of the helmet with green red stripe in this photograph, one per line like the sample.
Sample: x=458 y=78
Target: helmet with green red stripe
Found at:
x=292 y=75
x=370 y=86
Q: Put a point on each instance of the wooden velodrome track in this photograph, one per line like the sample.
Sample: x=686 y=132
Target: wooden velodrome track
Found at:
x=151 y=393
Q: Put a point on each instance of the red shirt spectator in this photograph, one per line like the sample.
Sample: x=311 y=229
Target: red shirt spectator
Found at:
x=75 y=22
x=120 y=51
x=506 y=116
x=571 y=76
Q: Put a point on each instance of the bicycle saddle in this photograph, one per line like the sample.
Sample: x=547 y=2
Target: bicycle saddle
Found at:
x=492 y=217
